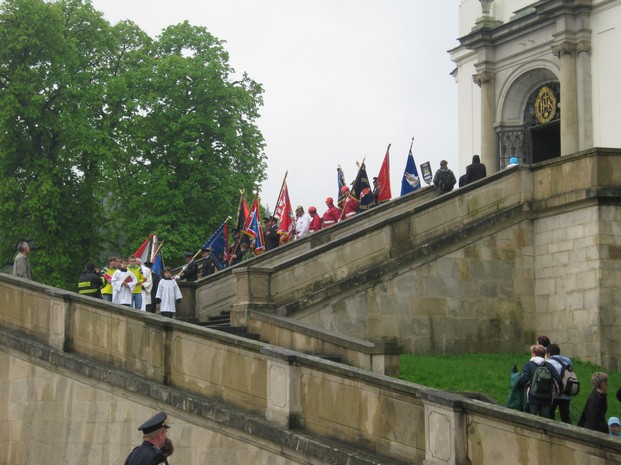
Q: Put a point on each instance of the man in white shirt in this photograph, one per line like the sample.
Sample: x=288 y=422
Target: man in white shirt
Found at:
x=302 y=222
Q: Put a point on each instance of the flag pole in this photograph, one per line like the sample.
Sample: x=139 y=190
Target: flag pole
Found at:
x=349 y=195
x=282 y=186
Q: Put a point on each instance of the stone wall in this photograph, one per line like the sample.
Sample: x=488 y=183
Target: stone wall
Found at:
x=527 y=251
x=232 y=401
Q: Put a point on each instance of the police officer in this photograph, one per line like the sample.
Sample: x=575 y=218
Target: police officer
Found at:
x=154 y=437
x=91 y=282
x=209 y=265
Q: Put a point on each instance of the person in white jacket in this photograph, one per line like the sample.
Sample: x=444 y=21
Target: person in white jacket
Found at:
x=123 y=283
x=168 y=294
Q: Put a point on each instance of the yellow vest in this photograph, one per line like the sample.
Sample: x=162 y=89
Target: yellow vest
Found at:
x=137 y=272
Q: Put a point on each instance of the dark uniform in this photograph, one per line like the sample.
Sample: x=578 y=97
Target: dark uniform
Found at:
x=209 y=266
x=90 y=283
x=147 y=453
x=272 y=240
x=190 y=271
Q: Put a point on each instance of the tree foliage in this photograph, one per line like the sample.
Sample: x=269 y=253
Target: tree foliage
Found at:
x=107 y=135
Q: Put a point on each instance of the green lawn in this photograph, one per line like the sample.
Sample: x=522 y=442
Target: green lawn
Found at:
x=489 y=374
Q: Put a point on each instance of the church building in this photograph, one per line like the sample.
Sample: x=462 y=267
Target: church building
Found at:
x=537 y=79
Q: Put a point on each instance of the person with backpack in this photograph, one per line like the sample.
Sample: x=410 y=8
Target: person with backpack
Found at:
x=444 y=179
x=571 y=386
x=541 y=378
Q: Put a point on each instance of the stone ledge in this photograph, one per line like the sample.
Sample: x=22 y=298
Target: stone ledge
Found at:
x=360 y=345
x=321 y=449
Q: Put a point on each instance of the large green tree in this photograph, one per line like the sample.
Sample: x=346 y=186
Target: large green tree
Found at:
x=107 y=135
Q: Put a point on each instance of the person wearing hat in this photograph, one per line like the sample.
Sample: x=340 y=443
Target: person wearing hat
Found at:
x=613 y=427
x=302 y=222
x=331 y=215
x=153 y=438
x=351 y=204
x=189 y=272
x=376 y=191
x=315 y=223
x=270 y=233
x=444 y=179
x=513 y=161
x=209 y=265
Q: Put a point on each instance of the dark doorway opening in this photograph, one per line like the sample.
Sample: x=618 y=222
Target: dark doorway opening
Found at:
x=545 y=141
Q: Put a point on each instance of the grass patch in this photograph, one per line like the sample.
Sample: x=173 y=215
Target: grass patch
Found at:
x=489 y=374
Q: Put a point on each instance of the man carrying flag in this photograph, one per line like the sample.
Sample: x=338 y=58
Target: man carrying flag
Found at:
x=253 y=227
x=361 y=190
x=218 y=246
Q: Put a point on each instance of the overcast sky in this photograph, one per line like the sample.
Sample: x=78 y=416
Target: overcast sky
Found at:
x=342 y=80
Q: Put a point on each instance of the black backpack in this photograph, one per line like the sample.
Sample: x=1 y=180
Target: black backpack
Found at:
x=542 y=383
x=446 y=180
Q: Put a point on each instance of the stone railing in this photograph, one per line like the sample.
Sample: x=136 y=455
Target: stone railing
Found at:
x=379 y=356
x=404 y=422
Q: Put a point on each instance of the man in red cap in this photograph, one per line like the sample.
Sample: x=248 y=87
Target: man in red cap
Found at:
x=351 y=204
x=332 y=214
x=315 y=224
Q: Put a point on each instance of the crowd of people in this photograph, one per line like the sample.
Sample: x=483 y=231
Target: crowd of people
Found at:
x=548 y=382
x=128 y=282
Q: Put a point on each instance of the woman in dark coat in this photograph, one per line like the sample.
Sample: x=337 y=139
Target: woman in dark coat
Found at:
x=594 y=413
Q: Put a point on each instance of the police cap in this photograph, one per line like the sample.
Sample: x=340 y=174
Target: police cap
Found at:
x=157 y=421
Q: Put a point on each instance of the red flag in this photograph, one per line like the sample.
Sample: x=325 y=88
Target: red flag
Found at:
x=284 y=215
x=253 y=227
x=148 y=250
x=242 y=213
x=383 y=178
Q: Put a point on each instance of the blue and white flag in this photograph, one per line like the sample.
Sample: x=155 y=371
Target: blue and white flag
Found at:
x=410 y=181
x=219 y=243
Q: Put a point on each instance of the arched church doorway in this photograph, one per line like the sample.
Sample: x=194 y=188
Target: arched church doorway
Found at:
x=530 y=119
x=542 y=120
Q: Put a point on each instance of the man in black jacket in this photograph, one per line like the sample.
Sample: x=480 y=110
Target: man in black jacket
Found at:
x=91 y=282
x=475 y=171
x=154 y=437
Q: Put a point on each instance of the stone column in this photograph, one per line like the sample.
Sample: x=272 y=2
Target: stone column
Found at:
x=253 y=293
x=283 y=387
x=445 y=428
x=489 y=148
x=566 y=52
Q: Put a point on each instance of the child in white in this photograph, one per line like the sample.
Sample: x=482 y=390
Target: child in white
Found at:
x=168 y=294
x=123 y=283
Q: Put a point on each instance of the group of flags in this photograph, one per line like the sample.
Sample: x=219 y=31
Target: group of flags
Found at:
x=248 y=219
x=151 y=251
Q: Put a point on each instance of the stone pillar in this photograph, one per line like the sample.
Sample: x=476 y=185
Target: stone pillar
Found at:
x=253 y=293
x=584 y=95
x=445 y=428
x=283 y=387
x=489 y=148
x=566 y=52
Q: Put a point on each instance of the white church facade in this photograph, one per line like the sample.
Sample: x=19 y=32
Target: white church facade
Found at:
x=537 y=79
